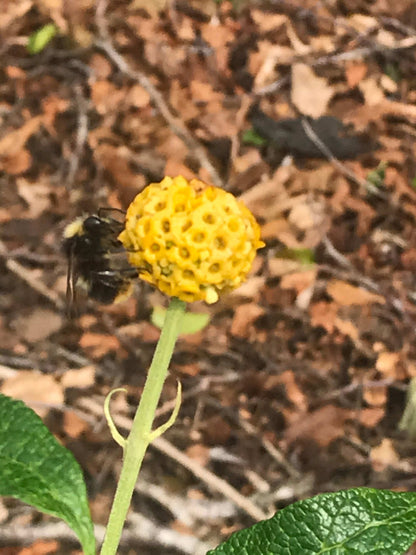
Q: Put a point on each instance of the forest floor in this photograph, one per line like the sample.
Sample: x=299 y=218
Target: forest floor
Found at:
x=305 y=110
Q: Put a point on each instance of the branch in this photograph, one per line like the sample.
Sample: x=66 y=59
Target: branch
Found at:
x=175 y=123
x=369 y=187
x=209 y=478
x=28 y=277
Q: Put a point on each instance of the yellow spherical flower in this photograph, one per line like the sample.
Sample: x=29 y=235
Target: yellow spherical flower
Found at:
x=190 y=240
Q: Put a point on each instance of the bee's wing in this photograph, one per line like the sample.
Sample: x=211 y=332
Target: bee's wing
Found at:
x=70 y=283
x=109 y=277
x=118 y=260
x=113 y=216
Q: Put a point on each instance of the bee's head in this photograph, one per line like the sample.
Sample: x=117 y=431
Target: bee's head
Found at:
x=93 y=224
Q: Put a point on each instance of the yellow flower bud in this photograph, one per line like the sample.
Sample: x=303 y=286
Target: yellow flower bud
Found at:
x=190 y=240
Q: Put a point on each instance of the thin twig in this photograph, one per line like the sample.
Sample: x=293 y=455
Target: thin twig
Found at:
x=239 y=118
x=267 y=445
x=272 y=87
x=188 y=511
x=362 y=52
x=398 y=25
x=168 y=406
x=209 y=478
x=140 y=529
x=19 y=363
x=371 y=384
x=175 y=123
x=27 y=276
x=59 y=531
x=23 y=253
x=7 y=372
x=349 y=271
x=370 y=187
x=143 y=528
x=273 y=451
x=355 y=54
x=81 y=136
x=336 y=255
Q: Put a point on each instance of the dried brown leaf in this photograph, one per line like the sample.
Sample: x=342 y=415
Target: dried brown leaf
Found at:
x=36 y=195
x=387 y=364
x=99 y=345
x=280 y=266
x=268 y=21
x=373 y=94
x=101 y=66
x=362 y=23
x=14 y=141
x=16 y=163
x=299 y=280
x=152 y=8
x=323 y=425
x=34 y=389
x=371 y=417
x=250 y=289
x=138 y=97
x=375 y=396
x=41 y=547
x=346 y=295
x=38 y=325
x=347 y=328
x=117 y=161
x=79 y=378
x=384 y=455
x=191 y=369
x=310 y=94
x=244 y=317
x=355 y=73
x=293 y=391
x=323 y=314
x=74 y=425
x=13 y=11
x=106 y=96
x=217 y=430
x=198 y=453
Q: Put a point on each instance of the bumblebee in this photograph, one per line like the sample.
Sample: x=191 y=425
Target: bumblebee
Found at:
x=97 y=260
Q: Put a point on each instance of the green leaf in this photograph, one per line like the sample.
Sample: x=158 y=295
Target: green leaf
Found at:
x=353 y=522
x=37 y=469
x=393 y=71
x=39 y=39
x=304 y=256
x=377 y=176
x=252 y=138
x=191 y=321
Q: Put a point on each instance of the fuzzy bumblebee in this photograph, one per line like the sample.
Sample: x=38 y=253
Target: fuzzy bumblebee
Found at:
x=190 y=240
x=97 y=261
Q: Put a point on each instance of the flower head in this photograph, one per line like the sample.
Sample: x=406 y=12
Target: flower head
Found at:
x=190 y=240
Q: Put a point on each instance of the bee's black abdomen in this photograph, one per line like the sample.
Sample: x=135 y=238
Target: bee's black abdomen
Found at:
x=97 y=260
x=107 y=285
x=104 y=293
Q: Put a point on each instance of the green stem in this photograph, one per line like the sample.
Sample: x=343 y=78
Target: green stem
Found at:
x=139 y=437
